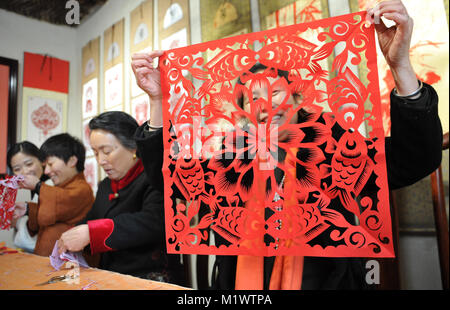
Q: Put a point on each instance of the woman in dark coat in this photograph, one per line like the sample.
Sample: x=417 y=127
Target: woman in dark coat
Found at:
x=412 y=152
x=126 y=223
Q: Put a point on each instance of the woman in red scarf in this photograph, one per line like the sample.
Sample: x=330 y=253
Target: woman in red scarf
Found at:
x=126 y=223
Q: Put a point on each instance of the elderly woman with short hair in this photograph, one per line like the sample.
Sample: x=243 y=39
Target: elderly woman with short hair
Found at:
x=126 y=223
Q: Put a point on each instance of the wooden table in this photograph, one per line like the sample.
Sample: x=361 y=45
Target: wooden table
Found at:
x=22 y=271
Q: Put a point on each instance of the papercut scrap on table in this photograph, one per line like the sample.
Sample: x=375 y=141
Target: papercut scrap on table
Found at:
x=287 y=159
x=58 y=260
x=8 y=192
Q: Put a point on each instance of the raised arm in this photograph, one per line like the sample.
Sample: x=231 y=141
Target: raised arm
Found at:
x=149 y=80
x=395 y=43
x=414 y=148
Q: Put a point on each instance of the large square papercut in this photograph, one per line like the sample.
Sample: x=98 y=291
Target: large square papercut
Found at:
x=287 y=159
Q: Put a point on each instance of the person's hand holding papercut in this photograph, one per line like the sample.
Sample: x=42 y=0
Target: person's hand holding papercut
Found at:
x=149 y=80
x=29 y=182
x=395 y=43
x=74 y=240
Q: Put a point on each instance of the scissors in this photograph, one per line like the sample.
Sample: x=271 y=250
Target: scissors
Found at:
x=8 y=252
x=53 y=280
x=4 y=250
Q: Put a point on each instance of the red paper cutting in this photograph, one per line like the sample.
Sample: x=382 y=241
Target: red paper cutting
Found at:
x=8 y=192
x=287 y=161
x=45 y=118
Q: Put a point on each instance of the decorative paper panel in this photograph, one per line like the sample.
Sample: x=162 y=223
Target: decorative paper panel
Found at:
x=90 y=62
x=222 y=19
x=85 y=137
x=91 y=173
x=90 y=78
x=141 y=40
x=90 y=98
x=113 y=60
x=45 y=114
x=114 y=87
x=141 y=27
x=175 y=40
x=260 y=164
x=288 y=12
x=140 y=108
x=90 y=103
x=45 y=88
x=173 y=23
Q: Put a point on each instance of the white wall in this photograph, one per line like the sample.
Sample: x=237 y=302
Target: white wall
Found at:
x=19 y=34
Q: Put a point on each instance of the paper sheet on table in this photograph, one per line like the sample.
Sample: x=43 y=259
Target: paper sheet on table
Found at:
x=57 y=260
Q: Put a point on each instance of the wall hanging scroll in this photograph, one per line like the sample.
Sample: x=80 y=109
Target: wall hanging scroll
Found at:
x=113 y=59
x=45 y=92
x=289 y=12
x=90 y=78
x=173 y=27
x=90 y=66
x=283 y=177
x=222 y=19
x=91 y=172
x=141 y=41
x=90 y=61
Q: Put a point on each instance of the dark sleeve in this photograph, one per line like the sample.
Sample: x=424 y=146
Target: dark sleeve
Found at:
x=414 y=149
x=150 y=149
x=131 y=229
